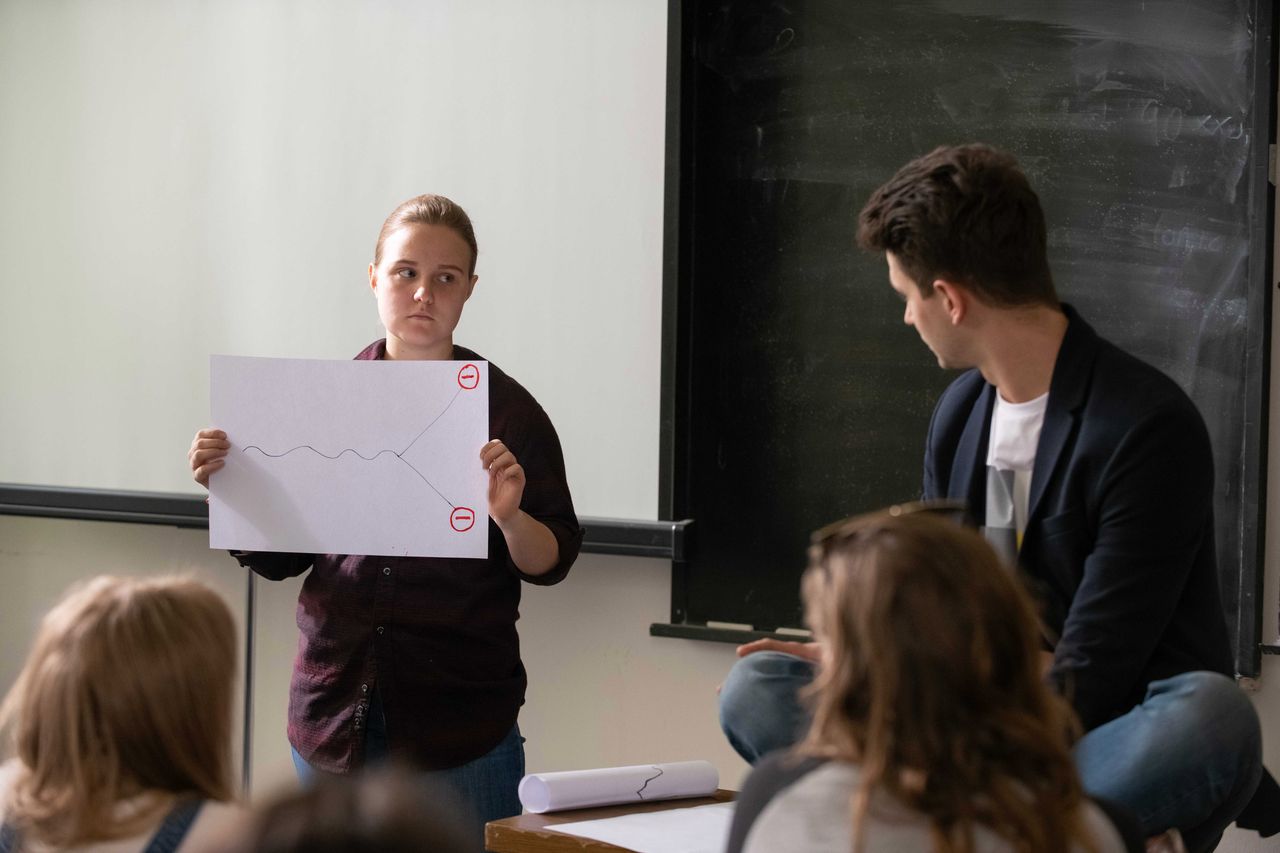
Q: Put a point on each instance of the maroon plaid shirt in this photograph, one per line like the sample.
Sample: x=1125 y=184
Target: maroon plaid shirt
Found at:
x=436 y=637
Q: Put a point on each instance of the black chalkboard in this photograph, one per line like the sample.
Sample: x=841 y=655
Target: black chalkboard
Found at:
x=795 y=393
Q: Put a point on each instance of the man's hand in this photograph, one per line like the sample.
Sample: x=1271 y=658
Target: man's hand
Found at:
x=809 y=651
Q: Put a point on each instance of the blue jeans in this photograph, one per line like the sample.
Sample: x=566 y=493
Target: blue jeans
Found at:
x=481 y=790
x=1189 y=756
x=760 y=709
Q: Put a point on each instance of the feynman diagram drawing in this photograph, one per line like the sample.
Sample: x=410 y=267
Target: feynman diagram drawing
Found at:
x=350 y=457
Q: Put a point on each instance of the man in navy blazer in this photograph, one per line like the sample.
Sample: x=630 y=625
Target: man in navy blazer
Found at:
x=1118 y=540
x=1089 y=470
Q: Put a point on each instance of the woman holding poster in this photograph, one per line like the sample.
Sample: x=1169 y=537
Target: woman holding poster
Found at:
x=418 y=657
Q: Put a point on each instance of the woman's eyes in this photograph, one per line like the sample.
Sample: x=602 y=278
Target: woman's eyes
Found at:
x=410 y=274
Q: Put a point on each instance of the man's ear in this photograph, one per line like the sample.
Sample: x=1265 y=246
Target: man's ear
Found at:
x=955 y=299
x=373 y=278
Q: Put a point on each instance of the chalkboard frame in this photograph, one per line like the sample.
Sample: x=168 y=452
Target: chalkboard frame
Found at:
x=678 y=430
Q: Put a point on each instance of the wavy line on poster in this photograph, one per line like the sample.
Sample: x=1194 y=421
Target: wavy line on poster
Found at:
x=357 y=453
x=399 y=455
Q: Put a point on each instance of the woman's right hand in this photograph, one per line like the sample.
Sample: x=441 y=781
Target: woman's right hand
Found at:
x=207 y=454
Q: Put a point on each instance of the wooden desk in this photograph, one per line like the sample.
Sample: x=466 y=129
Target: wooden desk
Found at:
x=529 y=833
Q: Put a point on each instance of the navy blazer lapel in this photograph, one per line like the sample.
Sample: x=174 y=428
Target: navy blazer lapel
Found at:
x=1072 y=372
x=969 y=467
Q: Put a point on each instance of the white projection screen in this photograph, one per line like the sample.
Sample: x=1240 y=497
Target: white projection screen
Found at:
x=179 y=179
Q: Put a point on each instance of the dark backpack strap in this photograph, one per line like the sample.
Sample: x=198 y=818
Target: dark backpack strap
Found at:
x=10 y=840
x=173 y=829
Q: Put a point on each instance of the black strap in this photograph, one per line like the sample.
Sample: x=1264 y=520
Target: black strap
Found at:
x=173 y=829
x=10 y=840
x=1262 y=814
x=774 y=773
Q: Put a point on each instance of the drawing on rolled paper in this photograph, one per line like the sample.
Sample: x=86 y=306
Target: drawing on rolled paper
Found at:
x=570 y=789
x=640 y=792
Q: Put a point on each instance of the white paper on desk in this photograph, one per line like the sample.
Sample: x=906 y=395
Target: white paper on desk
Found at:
x=351 y=457
x=575 y=789
x=698 y=829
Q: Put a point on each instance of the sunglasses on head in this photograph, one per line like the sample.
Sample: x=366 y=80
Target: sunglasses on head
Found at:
x=952 y=509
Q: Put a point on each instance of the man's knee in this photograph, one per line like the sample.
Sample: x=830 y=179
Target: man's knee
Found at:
x=756 y=681
x=759 y=707
x=1209 y=701
x=1189 y=756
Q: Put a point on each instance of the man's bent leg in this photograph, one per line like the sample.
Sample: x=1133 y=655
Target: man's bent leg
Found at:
x=1189 y=757
x=759 y=707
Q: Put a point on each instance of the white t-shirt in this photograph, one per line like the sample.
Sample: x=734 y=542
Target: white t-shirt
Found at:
x=1011 y=456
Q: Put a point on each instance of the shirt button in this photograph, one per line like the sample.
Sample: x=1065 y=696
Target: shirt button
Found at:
x=386 y=570
x=364 y=688
x=381 y=629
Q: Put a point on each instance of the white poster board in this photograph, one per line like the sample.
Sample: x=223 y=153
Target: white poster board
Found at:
x=350 y=457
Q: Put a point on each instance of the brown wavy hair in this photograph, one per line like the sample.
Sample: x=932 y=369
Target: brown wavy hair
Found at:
x=931 y=683
x=126 y=696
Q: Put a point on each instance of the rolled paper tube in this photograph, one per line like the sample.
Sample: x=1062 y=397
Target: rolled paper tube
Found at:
x=575 y=789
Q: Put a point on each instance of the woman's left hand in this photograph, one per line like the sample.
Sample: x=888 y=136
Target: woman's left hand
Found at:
x=506 y=481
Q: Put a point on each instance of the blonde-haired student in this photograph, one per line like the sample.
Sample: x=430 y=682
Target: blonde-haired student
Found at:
x=932 y=727
x=120 y=722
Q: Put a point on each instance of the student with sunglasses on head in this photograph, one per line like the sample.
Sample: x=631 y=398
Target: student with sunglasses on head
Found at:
x=932 y=729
